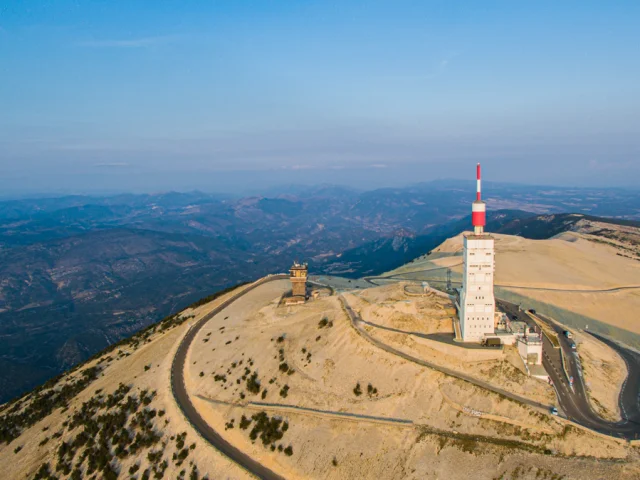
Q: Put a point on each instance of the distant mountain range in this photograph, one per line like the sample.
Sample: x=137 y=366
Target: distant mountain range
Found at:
x=388 y=253
x=79 y=273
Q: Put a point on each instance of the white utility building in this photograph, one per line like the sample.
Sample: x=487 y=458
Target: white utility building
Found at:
x=477 y=302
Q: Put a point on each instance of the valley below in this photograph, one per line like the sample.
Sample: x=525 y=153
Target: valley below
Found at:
x=302 y=392
x=81 y=273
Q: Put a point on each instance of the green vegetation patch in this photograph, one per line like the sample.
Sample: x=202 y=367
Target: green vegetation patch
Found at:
x=107 y=429
x=325 y=322
x=268 y=429
x=357 y=391
x=253 y=384
x=41 y=403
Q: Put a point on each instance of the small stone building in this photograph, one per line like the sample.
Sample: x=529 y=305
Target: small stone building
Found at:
x=299 y=274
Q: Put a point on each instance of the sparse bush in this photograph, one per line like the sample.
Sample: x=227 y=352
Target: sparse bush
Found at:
x=184 y=453
x=325 y=322
x=44 y=400
x=154 y=456
x=180 y=440
x=357 y=391
x=194 y=473
x=268 y=429
x=44 y=473
x=244 y=422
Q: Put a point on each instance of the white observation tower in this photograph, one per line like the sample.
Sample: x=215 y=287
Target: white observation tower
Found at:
x=477 y=303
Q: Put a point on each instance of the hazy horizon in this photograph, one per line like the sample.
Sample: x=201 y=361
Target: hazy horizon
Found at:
x=231 y=97
x=257 y=187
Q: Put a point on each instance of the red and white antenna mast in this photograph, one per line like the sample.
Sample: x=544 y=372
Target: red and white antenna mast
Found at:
x=478 y=209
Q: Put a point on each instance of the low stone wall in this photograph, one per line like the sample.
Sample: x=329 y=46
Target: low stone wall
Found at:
x=496 y=418
x=464 y=354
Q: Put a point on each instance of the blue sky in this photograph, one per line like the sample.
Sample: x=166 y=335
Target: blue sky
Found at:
x=146 y=96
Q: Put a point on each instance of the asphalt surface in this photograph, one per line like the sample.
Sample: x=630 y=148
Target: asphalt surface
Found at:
x=401 y=276
x=574 y=402
x=357 y=321
x=438 y=337
x=630 y=394
x=184 y=402
x=333 y=413
x=407 y=277
x=570 y=290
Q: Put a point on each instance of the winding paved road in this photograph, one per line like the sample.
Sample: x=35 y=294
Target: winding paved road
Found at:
x=397 y=276
x=575 y=401
x=576 y=406
x=184 y=402
x=571 y=290
x=283 y=407
x=357 y=321
x=405 y=275
x=630 y=393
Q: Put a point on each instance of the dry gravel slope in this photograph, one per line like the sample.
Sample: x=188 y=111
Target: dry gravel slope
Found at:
x=444 y=442
x=546 y=270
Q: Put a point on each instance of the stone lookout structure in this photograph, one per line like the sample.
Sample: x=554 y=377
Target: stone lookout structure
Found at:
x=299 y=273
